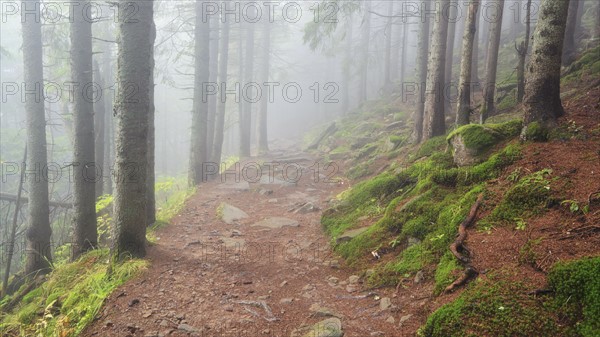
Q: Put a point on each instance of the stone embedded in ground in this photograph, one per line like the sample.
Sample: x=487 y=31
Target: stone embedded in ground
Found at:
x=307 y=208
x=419 y=277
x=271 y=180
x=230 y=214
x=317 y=310
x=353 y=279
x=403 y=319
x=187 y=328
x=233 y=185
x=331 y=327
x=385 y=303
x=351 y=234
x=276 y=222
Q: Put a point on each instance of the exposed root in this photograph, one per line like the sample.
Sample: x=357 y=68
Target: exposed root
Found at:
x=469 y=273
x=459 y=250
x=457 y=247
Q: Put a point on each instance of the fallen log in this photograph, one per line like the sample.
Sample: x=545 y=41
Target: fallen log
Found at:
x=328 y=132
x=24 y=200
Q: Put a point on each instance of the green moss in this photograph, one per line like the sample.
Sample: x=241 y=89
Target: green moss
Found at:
x=430 y=146
x=445 y=272
x=527 y=197
x=536 y=132
x=493 y=307
x=577 y=287
x=482 y=137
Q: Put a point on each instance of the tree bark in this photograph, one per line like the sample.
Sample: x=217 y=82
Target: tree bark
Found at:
x=214 y=66
x=387 y=82
x=570 y=48
x=347 y=66
x=220 y=117
x=263 y=140
x=198 y=142
x=453 y=17
x=488 y=106
x=85 y=233
x=421 y=62
x=246 y=117
x=475 y=58
x=99 y=133
x=151 y=170
x=433 y=117
x=131 y=147
x=364 y=62
x=38 y=256
x=522 y=52
x=463 y=110
x=108 y=123
x=542 y=101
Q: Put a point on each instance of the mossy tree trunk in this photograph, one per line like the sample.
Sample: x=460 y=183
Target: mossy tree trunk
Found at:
x=38 y=256
x=433 y=116
x=422 y=55
x=488 y=106
x=463 y=109
x=131 y=145
x=222 y=103
x=542 y=103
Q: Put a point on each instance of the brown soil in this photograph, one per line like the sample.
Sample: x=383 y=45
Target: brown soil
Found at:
x=198 y=275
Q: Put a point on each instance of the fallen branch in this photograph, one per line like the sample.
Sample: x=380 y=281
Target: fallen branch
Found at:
x=458 y=244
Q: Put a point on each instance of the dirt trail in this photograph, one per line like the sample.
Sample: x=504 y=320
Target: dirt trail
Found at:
x=209 y=278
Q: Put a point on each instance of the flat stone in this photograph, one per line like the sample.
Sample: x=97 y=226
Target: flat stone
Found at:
x=331 y=327
x=187 y=328
x=351 y=234
x=390 y=320
x=403 y=319
x=307 y=208
x=353 y=279
x=385 y=303
x=239 y=186
x=320 y=311
x=276 y=222
x=419 y=277
x=230 y=214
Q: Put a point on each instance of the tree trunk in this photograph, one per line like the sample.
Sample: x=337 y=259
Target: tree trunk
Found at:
x=108 y=124
x=387 y=72
x=85 y=233
x=347 y=66
x=263 y=141
x=134 y=71
x=475 y=58
x=214 y=66
x=38 y=233
x=403 y=54
x=433 y=117
x=198 y=149
x=364 y=62
x=246 y=121
x=453 y=17
x=570 y=48
x=463 y=109
x=542 y=101
x=522 y=52
x=220 y=117
x=151 y=170
x=99 y=133
x=422 y=55
x=488 y=106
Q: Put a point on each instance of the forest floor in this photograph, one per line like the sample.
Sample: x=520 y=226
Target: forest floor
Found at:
x=210 y=278
x=279 y=277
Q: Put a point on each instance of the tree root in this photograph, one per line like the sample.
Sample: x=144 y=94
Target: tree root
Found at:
x=458 y=245
x=459 y=250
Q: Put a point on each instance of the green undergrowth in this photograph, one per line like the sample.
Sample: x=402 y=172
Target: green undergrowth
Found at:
x=70 y=299
x=587 y=65
x=577 y=288
x=499 y=306
x=414 y=211
x=493 y=307
x=482 y=137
